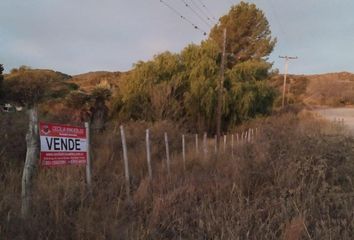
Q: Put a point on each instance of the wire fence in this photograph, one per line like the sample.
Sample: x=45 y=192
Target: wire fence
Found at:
x=180 y=148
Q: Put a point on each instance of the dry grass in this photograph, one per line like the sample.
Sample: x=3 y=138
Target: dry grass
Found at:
x=294 y=182
x=88 y=81
x=331 y=89
x=334 y=89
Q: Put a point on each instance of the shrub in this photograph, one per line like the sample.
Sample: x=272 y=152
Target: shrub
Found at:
x=294 y=182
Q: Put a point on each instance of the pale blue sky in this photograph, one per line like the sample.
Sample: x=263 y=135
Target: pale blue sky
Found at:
x=76 y=36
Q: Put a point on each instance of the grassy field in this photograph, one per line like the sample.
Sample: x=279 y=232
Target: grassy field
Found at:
x=294 y=182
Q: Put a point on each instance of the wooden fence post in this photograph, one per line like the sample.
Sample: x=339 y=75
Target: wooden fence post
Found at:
x=126 y=166
x=232 y=146
x=88 y=163
x=216 y=144
x=205 y=147
x=225 y=143
x=184 y=152
x=148 y=154
x=30 y=162
x=167 y=154
x=196 y=144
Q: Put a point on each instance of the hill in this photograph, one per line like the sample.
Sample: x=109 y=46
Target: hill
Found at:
x=85 y=81
x=88 y=81
x=330 y=89
x=50 y=75
x=25 y=81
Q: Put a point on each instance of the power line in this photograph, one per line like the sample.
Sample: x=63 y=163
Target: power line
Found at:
x=183 y=17
x=207 y=9
x=202 y=11
x=195 y=12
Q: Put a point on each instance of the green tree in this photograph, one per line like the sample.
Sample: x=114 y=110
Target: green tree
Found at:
x=252 y=70
x=248 y=91
x=202 y=71
x=153 y=90
x=183 y=87
x=248 y=34
x=247 y=100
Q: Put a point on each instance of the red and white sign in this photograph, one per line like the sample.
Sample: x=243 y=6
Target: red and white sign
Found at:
x=62 y=144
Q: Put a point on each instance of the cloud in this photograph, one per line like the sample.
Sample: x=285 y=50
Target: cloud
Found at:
x=76 y=36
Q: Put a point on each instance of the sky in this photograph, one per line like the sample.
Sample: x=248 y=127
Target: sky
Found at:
x=77 y=36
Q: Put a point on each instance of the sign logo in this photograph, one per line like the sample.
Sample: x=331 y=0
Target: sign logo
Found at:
x=45 y=130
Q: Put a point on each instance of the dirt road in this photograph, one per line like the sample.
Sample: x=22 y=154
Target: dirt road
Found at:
x=339 y=113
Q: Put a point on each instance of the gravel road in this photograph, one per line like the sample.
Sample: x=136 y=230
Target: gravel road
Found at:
x=342 y=113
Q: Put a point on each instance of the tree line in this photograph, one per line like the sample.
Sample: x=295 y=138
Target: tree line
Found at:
x=180 y=87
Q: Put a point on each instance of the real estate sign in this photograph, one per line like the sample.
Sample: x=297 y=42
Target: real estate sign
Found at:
x=62 y=144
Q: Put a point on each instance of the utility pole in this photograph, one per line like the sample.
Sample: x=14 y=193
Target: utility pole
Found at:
x=220 y=94
x=287 y=58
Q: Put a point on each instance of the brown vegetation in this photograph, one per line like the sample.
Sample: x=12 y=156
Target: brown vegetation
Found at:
x=294 y=182
x=334 y=89
x=91 y=80
x=331 y=89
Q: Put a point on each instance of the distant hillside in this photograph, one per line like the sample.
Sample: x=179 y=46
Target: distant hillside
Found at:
x=58 y=83
x=48 y=74
x=332 y=89
x=88 y=81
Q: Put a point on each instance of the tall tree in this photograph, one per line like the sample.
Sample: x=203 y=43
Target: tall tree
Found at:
x=25 y=88
x=248 y=34
x=182 y=87
x=202 y=71
x=28 y=88
x=153 y=90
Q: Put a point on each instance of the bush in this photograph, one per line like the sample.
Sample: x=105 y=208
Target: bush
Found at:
x=294 y=182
